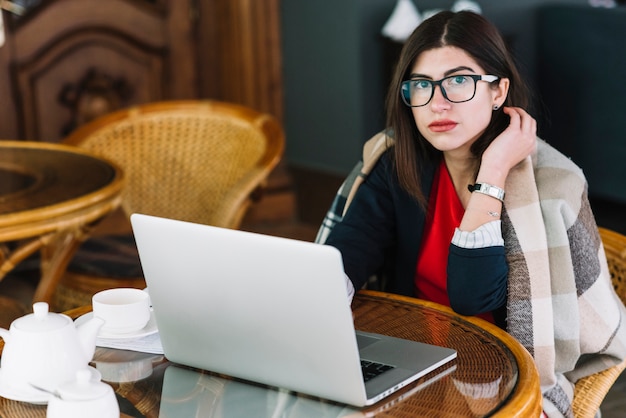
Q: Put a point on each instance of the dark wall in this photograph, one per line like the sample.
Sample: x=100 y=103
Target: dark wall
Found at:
x=333 y=64
x=336 y=65
x=581 y=64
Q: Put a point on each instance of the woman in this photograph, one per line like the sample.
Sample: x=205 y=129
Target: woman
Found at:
x=471 y=210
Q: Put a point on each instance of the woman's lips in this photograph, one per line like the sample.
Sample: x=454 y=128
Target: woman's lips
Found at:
x=442 y=126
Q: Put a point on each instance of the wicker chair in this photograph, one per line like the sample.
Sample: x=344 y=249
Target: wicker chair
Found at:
x=198 y=161
x=591 y=390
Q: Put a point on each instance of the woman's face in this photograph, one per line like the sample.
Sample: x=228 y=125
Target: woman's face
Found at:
x=448 y=126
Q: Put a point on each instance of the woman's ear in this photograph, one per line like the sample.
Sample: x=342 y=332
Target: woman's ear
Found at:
x=501 y=91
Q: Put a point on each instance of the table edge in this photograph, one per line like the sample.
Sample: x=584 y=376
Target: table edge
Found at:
x=526 y=397
x=38 y=218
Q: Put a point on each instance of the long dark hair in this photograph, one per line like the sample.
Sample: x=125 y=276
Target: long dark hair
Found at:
x=482 y=41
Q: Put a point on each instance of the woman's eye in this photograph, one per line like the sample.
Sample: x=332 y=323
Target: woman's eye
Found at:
x=421 y=84
x=457 y=80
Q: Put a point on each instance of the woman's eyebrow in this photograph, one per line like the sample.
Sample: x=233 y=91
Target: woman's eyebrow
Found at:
x=447 y=73
x=457 y=69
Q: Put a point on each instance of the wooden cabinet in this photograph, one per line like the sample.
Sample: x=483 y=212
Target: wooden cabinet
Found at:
x=65 y=62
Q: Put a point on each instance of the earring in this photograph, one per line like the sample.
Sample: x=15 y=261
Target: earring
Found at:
x=496 y=107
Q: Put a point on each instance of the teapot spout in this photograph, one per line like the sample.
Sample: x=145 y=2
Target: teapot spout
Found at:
x=87 y=334
x=5 y=334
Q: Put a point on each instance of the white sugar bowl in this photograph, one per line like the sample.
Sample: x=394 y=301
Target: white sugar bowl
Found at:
x=83 y=398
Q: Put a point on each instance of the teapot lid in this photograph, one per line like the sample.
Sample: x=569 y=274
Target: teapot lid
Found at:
x=41 y=320
x=84 y=387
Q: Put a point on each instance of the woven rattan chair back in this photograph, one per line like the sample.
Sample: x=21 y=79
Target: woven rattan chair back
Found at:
x=615 y=249
x=591 y=390
x=198 y=161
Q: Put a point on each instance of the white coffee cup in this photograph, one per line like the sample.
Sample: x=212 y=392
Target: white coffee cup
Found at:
x=124 y=310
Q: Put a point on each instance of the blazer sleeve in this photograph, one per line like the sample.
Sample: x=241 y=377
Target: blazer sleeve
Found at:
x=477 y=279
x=367 y=230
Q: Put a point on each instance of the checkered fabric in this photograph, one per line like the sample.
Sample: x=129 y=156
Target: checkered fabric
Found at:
x=561 y=305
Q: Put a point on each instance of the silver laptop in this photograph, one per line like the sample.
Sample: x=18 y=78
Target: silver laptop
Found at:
x=268 y=310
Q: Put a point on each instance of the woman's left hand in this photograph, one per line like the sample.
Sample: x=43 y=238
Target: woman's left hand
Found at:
x=513 y=145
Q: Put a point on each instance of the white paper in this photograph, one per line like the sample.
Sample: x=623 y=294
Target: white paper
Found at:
x=148 y=344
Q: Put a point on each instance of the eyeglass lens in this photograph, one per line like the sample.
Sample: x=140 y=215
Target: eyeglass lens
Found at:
x=456 y=88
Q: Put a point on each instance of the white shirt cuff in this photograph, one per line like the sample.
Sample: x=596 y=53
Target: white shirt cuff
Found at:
x=350 y=288
x=486 y=235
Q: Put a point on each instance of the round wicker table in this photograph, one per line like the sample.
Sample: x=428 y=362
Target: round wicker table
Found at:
x=50 y=196
x=493 y=374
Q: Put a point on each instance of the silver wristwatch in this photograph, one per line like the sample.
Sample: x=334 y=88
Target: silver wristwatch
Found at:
x=487 y=189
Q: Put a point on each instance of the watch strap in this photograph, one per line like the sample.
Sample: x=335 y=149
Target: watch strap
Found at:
x=488 y=189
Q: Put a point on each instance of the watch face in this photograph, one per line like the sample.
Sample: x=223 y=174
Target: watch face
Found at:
x=487 y=189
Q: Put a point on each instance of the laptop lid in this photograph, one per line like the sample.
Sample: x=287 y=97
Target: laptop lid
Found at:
x=265 y=309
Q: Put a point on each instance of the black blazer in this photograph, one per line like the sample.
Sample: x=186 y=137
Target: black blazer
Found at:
x=382 y=231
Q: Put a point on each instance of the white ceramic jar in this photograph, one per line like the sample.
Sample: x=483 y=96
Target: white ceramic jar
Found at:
x=84 y=398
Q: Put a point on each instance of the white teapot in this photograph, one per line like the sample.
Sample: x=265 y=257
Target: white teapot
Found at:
x=83 y=397
x=46 y=349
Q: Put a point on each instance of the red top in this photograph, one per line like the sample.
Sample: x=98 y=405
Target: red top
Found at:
x=445 y=212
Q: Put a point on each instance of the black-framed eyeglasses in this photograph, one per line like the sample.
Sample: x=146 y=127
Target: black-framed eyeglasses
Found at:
x=455 y=88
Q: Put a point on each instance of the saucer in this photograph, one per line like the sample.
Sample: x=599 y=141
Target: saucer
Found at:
x=132 y=367
x=27 y=393
x=149 y=329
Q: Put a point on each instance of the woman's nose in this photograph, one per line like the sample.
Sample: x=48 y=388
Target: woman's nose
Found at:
x=439 y=102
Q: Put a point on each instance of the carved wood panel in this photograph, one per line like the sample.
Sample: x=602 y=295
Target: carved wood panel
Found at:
x=67 y=61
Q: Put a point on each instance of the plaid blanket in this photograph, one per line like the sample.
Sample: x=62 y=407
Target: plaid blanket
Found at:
x=557 y=270
x=558 y=275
